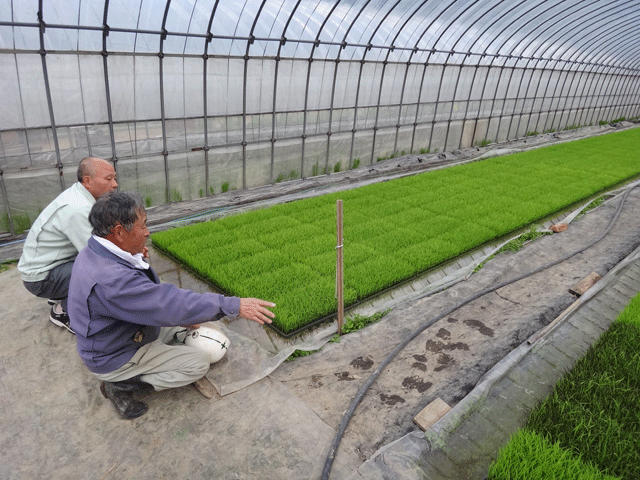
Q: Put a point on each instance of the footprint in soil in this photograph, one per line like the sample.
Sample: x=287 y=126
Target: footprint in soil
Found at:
x=444 y=334
x=391 y=399
x=444 y=361
x=416 y=383
x=482 y=328
x=362 y=363
x=437 y=347
x=344 y=376
x=420 y=363
x=315 y=381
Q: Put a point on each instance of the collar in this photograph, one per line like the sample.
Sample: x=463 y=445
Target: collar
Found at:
x=135 y=260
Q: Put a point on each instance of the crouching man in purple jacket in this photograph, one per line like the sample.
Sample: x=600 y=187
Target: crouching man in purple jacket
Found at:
x=126 y=321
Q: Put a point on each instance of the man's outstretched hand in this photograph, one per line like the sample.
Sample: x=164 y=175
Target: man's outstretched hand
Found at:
x=255 y=309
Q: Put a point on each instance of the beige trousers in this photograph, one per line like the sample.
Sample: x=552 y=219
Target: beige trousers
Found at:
x=164 y=363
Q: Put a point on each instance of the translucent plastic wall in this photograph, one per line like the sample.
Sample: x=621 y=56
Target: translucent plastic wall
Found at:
x=189 y=98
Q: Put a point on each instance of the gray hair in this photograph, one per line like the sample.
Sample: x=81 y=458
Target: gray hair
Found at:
x=115 y=208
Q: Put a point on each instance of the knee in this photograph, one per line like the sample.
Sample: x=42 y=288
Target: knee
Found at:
x=200 y=363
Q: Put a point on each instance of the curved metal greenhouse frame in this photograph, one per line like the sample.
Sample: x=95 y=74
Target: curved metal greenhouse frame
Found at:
x=189 y=98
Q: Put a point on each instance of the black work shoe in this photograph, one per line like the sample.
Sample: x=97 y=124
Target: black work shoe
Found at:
x=121 y=395
x=60 y=319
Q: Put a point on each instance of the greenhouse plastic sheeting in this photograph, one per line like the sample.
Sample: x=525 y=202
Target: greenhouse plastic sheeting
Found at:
x=189 y=98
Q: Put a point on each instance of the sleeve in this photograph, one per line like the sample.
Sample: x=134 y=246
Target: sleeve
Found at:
x=136 y=299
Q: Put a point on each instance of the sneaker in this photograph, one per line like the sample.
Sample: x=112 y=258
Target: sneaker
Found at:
x=60 y=319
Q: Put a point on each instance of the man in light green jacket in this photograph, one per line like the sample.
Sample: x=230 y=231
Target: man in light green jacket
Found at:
x=59 y=233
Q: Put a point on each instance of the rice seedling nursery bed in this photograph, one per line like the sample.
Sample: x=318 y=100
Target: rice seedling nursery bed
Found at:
x=393 y=230
x=588 y=427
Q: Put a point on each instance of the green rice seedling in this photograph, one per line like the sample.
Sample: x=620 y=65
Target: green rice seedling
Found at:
x=529 y=456
x=337 y=167
x=224 y=187
x=356 y=163
x=591 y=415
x=397 y=229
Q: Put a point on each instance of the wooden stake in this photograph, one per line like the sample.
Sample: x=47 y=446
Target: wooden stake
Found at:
x=339 y=269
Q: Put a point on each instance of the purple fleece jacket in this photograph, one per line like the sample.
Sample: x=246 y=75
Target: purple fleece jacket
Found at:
x=116 y=308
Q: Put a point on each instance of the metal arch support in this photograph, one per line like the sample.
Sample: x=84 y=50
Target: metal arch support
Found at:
x=5 y=196
x=47 y=88
x=475 y=71
x=275 y=92
x=444 y=67
x=306 y=91
x=424 y=72
x=205 y=59
x=526 y=66
x=455 y=89
x=569 y=63
x=107 y=88
x=603 y=33
x=511 y=77
x=603 y=53
x=513 y=114
x=495 y=57
x=335 y=76
x=165 y=153
x=384 y=68
x=244 y=95
x=547 y=61
x=406 y=73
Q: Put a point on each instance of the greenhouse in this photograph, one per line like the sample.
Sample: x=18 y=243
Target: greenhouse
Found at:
x=440 y=199
x=189 y=99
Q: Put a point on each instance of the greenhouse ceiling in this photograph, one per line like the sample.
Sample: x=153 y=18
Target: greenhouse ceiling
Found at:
x=190 y=98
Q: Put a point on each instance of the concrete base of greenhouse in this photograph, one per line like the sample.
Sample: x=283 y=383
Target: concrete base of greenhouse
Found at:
x=463 y=443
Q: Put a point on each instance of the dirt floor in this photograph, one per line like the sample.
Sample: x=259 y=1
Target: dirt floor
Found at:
x=55 y=424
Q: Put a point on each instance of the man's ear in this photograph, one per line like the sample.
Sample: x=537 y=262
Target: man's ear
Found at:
x=116 y=230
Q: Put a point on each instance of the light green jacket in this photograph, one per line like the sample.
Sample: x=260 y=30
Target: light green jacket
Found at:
x=58 y=234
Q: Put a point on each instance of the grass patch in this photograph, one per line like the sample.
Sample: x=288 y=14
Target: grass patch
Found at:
x=393 y=230
x=592 y=415
x=351 y=324
x=529 y=456
x=516 y=244
x=4 y=266
x=595 y=203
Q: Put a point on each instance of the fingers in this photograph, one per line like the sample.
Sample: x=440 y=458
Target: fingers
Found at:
x=256 y=310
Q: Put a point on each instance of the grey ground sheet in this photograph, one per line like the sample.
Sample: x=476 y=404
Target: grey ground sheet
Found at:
x=55 y=423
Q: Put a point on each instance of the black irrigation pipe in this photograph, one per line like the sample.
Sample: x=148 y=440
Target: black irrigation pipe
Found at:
x=374 y=376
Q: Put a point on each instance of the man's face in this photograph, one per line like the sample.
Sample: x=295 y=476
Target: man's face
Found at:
x=103 y=181
x=133 y=241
